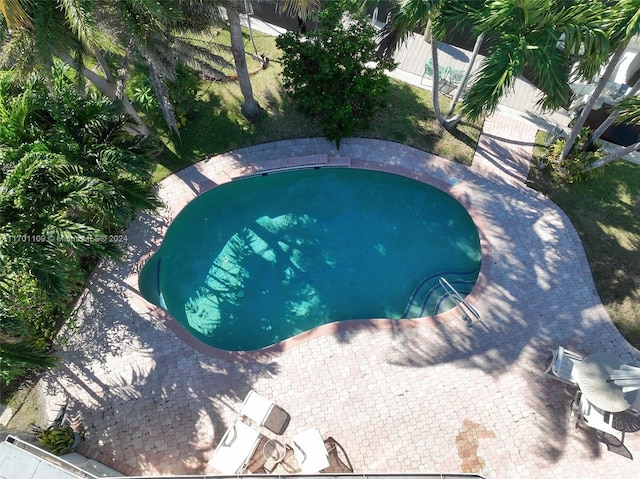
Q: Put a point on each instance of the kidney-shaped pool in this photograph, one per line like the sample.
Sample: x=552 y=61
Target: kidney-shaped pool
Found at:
x=259 y=260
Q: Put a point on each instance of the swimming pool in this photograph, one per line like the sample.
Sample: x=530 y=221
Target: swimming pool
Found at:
x=259 y=260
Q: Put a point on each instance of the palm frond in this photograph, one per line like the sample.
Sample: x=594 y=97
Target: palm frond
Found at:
x=23 y=354
x=14 y=14
x=455 y=17
x=495 y=77
x=629 y=109
x=551 y=75
x=405 y=18
x=78 y=15
x=300 y=8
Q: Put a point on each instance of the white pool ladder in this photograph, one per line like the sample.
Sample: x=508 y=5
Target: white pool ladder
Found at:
x=463 y=304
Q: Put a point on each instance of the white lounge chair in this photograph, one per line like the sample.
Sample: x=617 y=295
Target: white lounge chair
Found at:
x=236 y=449
x=265 y=412
x=310 y=451
x=564 y=366
x=593 y=417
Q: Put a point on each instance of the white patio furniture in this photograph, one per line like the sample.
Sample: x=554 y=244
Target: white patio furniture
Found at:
x=595 y=382
x=592 y=416
x=635 y=406
x=310 y=451
x=265 y=412
x=564 y=366
x=627 y=377
x=236 y=449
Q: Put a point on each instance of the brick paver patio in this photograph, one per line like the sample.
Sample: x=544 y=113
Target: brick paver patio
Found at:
x=439 y=398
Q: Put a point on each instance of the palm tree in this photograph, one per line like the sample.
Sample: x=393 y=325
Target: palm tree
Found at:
x=71 y=177
x=622 y=22
x=525 y=34
x=66 y=30
x=250 y=107
x=156 y=36
x=628 y=111
x=301 y=8
x=407 y=17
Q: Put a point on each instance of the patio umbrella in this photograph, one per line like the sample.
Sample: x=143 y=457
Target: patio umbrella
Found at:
x=627 y=377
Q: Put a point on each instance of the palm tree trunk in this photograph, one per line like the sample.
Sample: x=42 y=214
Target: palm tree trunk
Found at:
x=595 y=136
x=104 y=66
x=575 y=131
x=614 y=156
x=435 y=90
x=250 y=107
x=465 y=78
x=108 y=89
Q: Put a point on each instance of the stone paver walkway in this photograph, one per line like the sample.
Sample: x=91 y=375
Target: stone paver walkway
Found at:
x=442 y=398
x=505 y=148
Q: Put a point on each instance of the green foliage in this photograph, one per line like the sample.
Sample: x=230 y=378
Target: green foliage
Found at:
x=56 y=439
x=70 y=177
x=333 y=74
x=18 y=355
x=523 y=35
x=182 y=95
x=573 y=168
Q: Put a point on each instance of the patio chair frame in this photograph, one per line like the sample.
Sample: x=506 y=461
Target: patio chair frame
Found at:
x=265 y=413
x=310 y=451
x=562 y=365
x=593 y=417
x=228 y=462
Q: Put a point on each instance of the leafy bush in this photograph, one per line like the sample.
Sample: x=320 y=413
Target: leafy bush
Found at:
x=56 y=439
x=71 y=176
x=182 y=94
x=573 y=168
x=333 y=73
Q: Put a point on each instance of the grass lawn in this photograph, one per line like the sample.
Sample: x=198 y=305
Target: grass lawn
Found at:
x=606 y=212
x=218 y=126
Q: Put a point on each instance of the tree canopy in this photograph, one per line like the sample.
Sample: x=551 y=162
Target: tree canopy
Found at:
x=333 y=74
x=71 y=178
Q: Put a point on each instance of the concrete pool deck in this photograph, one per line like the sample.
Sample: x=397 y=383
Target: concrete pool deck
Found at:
x=438 y=398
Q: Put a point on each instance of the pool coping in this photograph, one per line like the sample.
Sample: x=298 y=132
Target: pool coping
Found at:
x=225 y=172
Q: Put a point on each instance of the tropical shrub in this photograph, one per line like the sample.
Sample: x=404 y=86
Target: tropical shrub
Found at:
x=333 y=73
x=71 y=178
x=182 y=95
x=56 y=439
x=573 y=168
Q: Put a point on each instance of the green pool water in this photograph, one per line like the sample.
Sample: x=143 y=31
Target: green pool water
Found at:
x=256 y=261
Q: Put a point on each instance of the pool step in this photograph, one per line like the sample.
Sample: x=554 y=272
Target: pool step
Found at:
x=429 y=298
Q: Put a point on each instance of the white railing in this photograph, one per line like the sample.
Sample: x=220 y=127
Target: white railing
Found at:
x=79 y=473
x=462 y=303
